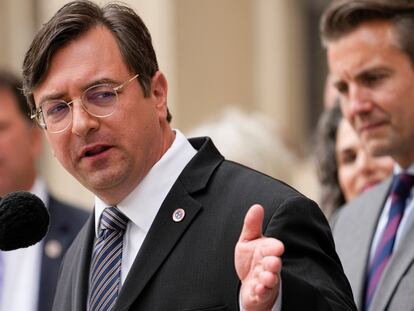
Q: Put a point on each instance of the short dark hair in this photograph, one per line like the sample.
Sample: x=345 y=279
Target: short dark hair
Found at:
x=332 y=196
x=343 y=16
x=13 y=84
x=75 y=19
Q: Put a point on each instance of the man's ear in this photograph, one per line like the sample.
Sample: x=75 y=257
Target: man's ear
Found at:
x=159 y=90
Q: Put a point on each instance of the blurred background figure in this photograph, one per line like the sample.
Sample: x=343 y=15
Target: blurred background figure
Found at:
x=344 y=167
x=30 y=274
x=251 y=139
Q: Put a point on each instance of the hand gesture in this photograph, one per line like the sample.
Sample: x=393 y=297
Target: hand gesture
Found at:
x=258 y=263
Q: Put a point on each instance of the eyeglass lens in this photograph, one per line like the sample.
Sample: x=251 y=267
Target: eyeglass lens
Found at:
x=98 y=100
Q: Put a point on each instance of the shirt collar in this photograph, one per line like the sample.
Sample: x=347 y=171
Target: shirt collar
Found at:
x=398 y=169
x=142 y=204
x=40 y=190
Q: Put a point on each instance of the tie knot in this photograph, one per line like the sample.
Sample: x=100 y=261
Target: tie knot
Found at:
x=113 y=219
x=402 y=184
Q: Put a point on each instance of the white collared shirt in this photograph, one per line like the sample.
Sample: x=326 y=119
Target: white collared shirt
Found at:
x=142 y=204
x=20 y=290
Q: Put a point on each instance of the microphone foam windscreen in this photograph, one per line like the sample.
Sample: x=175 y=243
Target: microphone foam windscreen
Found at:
x=24 y=220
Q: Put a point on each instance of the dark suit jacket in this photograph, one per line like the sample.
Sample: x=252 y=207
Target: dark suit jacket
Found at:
x=65 y=223
x=189 y=265
x=354 y=230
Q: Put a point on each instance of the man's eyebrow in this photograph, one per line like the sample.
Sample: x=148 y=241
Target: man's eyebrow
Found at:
x=373 y=70
x=101 y=81
x=52 y=96
x=60 y=95
x=337 y=82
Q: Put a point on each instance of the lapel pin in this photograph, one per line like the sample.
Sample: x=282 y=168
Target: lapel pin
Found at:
x=53 y=249
x=178 y=215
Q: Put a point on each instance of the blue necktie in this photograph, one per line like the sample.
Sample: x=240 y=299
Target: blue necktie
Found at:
x=400 y=190
x=105 y=273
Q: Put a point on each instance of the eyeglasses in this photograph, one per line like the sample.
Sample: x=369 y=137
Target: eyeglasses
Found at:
x=100 y=101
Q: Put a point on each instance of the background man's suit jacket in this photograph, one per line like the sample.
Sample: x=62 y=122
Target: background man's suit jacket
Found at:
x=353 y=230
x=189 y=265
x=65 y=223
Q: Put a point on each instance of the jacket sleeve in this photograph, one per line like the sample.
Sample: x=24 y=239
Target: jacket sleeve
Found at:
x=312 y=274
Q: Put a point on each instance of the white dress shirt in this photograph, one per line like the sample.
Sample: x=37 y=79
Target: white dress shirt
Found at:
x=20 y=290
x=142 y=204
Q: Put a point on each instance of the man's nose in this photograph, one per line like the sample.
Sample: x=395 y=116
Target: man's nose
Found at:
x=359 y=102
x=82 y=121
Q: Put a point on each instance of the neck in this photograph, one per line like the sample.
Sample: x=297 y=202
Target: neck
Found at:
x=117 y=194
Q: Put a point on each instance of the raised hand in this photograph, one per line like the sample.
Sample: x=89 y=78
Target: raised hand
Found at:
x=258 y=263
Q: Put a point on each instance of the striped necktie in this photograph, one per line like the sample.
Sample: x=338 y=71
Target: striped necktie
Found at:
x=400 y=191
x=105 y=273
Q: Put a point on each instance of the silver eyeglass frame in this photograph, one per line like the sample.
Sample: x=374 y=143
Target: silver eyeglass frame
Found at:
x=38 y=113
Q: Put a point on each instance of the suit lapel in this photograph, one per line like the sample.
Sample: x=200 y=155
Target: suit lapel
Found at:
x=369 y=221
x=355 y=245
x=165 y=233
x=400 y=261
x=80 y=273
x=159 y=243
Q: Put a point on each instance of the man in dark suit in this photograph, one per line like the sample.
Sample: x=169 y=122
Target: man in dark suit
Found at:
x=370 y=51
x=169 y=230
x=30 y=275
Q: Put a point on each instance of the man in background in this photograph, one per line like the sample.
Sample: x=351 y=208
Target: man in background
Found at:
x=370 y=47
x=30 y=274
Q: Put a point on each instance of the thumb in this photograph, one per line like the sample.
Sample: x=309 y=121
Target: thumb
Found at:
x=252 y=227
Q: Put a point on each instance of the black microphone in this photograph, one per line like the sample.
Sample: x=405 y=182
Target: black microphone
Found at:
x=24 y=220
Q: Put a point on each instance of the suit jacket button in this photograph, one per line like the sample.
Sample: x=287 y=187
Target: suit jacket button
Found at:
x=178 y=215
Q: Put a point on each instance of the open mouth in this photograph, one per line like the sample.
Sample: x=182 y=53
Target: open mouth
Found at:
x=95 y=151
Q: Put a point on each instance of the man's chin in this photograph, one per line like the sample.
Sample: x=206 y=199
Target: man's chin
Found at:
x=96 y=181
